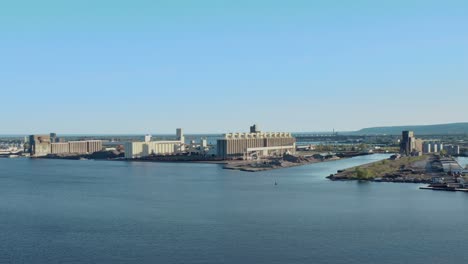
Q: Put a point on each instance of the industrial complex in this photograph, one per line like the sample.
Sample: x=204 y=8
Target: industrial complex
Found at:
x=255 y=144
x=43 y=145
x=412 y=146
x=163 y=147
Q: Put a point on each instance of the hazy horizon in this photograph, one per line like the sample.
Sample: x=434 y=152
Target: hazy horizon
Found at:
x=140 y=67
x=188 y=132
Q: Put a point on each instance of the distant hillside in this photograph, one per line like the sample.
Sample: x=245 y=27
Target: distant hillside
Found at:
x=443 y=129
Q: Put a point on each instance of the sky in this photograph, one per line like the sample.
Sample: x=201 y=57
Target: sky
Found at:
x=214 y=66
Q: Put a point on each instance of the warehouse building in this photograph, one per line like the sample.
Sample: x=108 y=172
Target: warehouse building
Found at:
x=59 y=148
x=78 y=147
x=42 y=145
x=86 y=146
x=143 y=149
x=94 y=145
x=255 y=144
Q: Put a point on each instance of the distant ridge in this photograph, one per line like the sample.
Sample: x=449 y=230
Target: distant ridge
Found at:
x=441 y=129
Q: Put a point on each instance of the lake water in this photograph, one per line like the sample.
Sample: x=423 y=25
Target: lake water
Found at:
x=59 y=211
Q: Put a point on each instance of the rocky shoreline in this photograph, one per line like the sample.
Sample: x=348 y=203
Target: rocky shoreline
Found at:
x=273 y=163
x=427 y=169
x=402 y=170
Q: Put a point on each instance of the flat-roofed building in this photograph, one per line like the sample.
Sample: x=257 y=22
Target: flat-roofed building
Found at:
x=42 y=145
x=134 y=149
x=59 y=148
x=94 y=146
x=78 y=147
x=161 y=147
x=235 y=145
x=143 y=149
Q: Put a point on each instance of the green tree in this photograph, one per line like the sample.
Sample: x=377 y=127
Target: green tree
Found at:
x=362 y=174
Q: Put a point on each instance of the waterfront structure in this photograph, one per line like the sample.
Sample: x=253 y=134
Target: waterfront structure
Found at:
x=94 y=145
x=427 y=147
x=59 y=148
x=418 y=147
x=42 y=145
x=134 y=149
x=147 y=148
x=39 y=145
x=432 y=147
x=201 y=148
x=78 y=147
x=180 y=135
x=260 y=144
x=144 y=149
x=409 y=144
x=160 y=148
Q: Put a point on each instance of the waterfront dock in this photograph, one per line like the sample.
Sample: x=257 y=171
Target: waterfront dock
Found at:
x=447 y=189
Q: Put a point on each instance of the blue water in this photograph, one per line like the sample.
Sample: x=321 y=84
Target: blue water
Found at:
x=58 y=211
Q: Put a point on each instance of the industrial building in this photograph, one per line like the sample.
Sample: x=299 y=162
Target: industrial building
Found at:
x=39 y=145
x=58 y=148
x=94 y=145
x=427 y=147
x=148 y=147
x=78 y=147
x=180 y=135
x=201 y=148
x=410 y=145
x=255 y=144
x=42 y=145
x=432 y=147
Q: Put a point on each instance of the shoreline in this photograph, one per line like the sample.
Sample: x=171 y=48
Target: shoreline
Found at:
x=286 y=161
x=402 y=170
x=445 y=189
x=250 y=166
x=426 y=169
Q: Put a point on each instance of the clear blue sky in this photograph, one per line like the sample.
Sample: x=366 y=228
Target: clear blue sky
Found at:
x=139 y=66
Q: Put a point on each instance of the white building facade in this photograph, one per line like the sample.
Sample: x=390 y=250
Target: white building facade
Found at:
x=235 y=145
